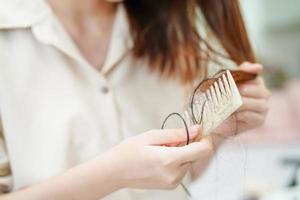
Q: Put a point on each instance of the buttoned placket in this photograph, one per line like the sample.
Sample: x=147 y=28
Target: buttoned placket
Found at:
x=50 y=32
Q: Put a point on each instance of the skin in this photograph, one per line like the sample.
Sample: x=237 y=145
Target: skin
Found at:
x=165 y=161
x=89 y=23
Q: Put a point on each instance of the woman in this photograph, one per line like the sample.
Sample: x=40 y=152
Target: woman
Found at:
x=78 y=77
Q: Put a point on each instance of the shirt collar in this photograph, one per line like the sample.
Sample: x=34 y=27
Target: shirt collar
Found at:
x=38 y=16
x=121 y=41
x=21 y=14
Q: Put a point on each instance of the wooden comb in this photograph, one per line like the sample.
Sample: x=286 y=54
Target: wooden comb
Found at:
x=239 y=77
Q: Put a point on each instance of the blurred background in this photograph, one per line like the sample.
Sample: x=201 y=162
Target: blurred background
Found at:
x=264 y=164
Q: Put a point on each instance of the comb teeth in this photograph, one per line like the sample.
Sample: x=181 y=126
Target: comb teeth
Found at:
x=216 y=104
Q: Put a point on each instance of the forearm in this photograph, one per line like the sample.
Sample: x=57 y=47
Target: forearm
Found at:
x=91 y=180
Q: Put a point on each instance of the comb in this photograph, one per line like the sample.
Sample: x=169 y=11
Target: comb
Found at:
x=215 y=99
x=238 y=76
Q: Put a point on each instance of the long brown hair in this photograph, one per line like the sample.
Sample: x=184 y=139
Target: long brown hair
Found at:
x=165 y=33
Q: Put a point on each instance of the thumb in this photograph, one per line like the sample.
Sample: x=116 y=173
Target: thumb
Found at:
x=169 y=136
x=195 y=151
x=254 y=68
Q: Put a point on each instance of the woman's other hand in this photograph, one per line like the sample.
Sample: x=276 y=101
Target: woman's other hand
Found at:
x=253 y=112
x=144 y=161
x=255 y=94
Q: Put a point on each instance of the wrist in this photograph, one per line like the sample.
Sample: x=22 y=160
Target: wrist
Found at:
x=110 y=169
x=119 y=162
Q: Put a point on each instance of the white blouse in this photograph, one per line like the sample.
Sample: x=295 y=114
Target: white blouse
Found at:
x=58 y=111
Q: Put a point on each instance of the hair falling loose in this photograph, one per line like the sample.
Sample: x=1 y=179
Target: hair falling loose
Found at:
x=165 y=34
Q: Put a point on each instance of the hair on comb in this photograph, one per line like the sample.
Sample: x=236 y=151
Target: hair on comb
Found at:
x=215 y=99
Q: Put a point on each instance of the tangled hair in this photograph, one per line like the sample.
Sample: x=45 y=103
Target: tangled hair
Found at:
x=165 y=34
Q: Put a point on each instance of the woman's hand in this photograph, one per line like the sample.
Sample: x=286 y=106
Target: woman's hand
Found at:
x=253 y=112
x=145 y=162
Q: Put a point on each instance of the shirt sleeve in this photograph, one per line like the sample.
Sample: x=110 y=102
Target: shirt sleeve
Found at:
x=5 y=172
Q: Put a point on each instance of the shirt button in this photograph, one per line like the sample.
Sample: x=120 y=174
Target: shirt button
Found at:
x=104 y=90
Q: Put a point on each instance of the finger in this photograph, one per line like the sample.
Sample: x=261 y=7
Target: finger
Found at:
x=254 y=68
x=195 y=139
x=180 y=144
x=257 y=81
x=254 y=91
x=194 y=151
x=251 y=118
x=184 y=168
x=252 y=104
x=169 y=136
x=182 y=171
